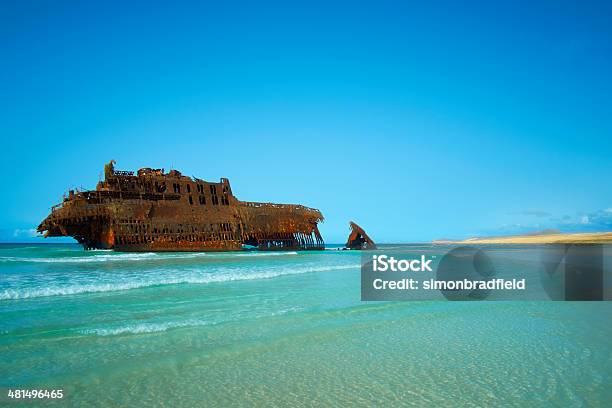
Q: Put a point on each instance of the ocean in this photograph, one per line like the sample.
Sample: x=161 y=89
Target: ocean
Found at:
x=279 y=329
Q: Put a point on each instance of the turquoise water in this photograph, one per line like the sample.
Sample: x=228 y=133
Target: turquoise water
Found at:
x=279 y=329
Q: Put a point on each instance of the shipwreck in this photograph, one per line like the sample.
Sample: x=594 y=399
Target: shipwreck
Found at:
x=157 y=211
x=358 y=238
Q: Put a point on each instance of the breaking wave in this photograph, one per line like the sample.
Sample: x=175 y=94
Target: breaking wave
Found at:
x=136 y=283
x=84 y=259
x=266 y=253
x=142 y=328
x=122 y=257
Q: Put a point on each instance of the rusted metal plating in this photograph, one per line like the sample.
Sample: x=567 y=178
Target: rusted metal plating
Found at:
x=158 y=211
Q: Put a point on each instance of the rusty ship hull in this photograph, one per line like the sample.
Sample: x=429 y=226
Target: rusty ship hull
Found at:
x=157 y=211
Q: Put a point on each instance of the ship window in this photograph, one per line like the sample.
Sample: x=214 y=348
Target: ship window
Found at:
x=190 y=200
x=202 y=200
x=188 y=188
x=213 y=189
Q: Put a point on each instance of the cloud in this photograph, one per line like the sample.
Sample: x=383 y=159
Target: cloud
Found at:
x=600 y=220
x=595 y=221
x=532 y=213
x=25 y=233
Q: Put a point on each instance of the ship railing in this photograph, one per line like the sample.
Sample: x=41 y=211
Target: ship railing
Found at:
x=123 y=173
x=57 y=207
x=273 y=205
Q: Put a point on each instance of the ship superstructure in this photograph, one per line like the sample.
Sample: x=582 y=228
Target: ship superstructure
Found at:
x=157 y=211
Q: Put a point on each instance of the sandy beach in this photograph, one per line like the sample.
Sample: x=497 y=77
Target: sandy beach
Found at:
x=578 y=238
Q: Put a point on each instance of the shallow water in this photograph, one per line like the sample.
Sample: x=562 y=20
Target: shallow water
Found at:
x=279 y=328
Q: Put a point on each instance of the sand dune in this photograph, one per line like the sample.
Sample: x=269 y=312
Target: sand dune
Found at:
x=558 y=238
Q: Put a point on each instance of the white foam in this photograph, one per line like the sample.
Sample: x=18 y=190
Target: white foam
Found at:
x=267 y=253
x=139 y=282
x=142 y=328
x=85 y=259
x=113 y=256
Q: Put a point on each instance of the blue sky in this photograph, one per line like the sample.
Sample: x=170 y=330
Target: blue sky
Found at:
x=418 y=121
